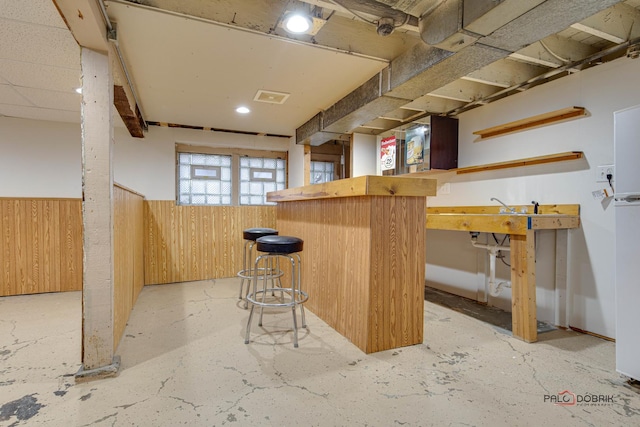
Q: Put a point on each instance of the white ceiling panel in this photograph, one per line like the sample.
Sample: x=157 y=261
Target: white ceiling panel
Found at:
x=36 y=113
x=8 y=95
x=45 y=45
x=200 y=77
x=51 y=99
x=40 y=76
x=34 y=11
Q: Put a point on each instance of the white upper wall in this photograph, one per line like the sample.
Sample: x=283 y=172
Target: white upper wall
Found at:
x=364 y=155
x=44 y=159
x=296 y=164
x=147 y=165
x=40 y=159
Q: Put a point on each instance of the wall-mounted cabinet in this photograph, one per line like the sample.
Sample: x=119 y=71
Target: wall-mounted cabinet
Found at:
x=425 y=145
x=444 y=143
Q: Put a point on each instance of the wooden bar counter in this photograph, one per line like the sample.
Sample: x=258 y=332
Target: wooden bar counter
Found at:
x=363 y=262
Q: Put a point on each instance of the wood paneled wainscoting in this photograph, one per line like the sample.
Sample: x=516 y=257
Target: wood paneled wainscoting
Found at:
x=128 y=262
x=41 y=245
x=184 y=243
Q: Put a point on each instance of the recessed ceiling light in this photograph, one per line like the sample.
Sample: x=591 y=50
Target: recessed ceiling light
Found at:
x=297 y=23
x=242 y=110
x=78 y=90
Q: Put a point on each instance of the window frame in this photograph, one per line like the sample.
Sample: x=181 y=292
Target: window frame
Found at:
x=235 y=154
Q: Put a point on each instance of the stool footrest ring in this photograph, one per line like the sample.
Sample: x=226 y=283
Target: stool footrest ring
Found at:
x=272 y=273
x=300 y=298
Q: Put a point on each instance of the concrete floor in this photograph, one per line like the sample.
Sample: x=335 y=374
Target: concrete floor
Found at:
x=184 y=362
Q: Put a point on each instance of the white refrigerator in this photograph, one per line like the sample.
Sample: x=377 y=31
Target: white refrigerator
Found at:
x=627 y=225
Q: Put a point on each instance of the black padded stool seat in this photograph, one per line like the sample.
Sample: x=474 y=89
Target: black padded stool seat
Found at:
x=279 y=244
x=256 y=233
x=250 y=236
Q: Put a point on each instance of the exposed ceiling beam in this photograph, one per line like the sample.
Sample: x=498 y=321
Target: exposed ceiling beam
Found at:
x=464 y=90
x=436 y=105
x=612 y=51
x=484 y=17
x=554 y=52
x=549 y=17
x=403 y=114
x=617 y=24
x=505 y=73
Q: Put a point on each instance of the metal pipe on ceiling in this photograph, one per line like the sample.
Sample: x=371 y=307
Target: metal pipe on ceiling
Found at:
x=113 y=38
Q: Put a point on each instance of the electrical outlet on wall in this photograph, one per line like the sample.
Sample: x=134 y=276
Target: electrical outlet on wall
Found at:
x=444 y=188
x=602 y=172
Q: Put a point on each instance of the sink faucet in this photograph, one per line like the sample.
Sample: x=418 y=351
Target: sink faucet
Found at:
x=512 y=210
x=536 y=206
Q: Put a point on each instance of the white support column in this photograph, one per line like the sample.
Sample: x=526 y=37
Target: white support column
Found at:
x=97 y=211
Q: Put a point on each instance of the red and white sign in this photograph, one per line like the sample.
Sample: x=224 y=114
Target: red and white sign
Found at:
x=388 y=153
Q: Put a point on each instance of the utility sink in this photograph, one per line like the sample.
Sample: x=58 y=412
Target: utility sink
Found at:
x=489 y=219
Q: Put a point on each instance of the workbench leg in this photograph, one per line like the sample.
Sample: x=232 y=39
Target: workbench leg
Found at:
x=562 y=291
x=523 y=287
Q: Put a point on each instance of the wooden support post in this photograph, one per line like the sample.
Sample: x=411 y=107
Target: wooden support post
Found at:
x=97 y=209
x=307 y=164
x=523 y=287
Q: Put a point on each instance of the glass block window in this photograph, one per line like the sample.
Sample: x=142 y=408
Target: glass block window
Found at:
x=204 y=179
x=258 y=176
x=321 y=172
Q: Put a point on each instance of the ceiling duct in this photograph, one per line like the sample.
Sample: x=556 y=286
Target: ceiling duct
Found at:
x=389 y=18
x=498 y=28
x=455 y=24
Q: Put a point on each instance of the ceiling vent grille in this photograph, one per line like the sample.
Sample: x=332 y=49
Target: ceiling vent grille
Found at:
x=271 y=97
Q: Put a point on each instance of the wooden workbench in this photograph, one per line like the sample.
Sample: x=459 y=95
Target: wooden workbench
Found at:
x=521 y=228
x=363 y=262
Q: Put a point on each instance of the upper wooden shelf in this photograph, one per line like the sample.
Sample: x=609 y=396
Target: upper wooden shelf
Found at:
x=424 y=174
x=532 y=122
x=550 y=158
x=369 y=185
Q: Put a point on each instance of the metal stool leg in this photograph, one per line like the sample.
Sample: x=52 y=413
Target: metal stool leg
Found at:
x=246 y=272
x=266 y=266
x=294 y=298
x=254 y=283
x=264 y=281
x=246 y=336
x=244 y=268
x=299 y=294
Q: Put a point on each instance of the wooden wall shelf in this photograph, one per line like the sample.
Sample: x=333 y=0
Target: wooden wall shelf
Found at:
x=532 y=122
x=550 y=158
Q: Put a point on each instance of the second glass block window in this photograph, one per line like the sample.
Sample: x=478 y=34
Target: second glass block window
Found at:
x=258 y=176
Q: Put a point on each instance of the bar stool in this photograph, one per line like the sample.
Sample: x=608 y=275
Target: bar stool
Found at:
x=275 y=247
x=250 y=236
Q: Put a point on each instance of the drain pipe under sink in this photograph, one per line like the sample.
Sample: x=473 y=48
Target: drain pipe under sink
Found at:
x=494 y=288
